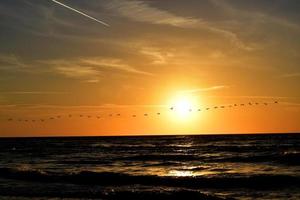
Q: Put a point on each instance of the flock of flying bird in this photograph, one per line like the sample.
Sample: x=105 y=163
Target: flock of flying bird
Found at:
x=135 y=115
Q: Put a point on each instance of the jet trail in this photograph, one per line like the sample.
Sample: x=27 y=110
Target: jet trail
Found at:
x=81 y=13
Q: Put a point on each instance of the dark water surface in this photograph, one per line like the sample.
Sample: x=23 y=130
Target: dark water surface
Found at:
x=158 y=167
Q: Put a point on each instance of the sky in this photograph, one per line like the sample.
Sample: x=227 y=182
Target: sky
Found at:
x=145 y=57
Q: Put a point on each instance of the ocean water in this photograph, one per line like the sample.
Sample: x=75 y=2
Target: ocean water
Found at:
x=151 y=167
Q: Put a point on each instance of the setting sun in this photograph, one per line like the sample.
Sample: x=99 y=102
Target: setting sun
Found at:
x=183 y=108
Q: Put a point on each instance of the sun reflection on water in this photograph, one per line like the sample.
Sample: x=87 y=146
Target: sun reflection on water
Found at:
x=181 y=173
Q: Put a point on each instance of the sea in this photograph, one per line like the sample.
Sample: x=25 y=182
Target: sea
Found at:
x=212 y=167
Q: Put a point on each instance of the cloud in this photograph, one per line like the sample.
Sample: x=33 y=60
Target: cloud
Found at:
x=157 y=55
x=32 y=92
x=95 y=108
x=251 y=97
x=291 y=75
x=76 y=71
x=213 y=88
x=91 y=68
x=141 y=11
x=87 y=68
x=11 y=62
x=112 y=64
x=256 y=16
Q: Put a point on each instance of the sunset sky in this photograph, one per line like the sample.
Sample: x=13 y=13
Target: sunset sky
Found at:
x=153 y=55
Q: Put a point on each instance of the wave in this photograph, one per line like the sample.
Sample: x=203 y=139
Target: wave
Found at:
x=286 y=158
x=112 y=194
x=119 y=179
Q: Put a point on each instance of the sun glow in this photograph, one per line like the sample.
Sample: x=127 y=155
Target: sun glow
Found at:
x=183 y=108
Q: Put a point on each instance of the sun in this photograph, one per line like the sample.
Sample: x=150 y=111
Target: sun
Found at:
x=183 y=108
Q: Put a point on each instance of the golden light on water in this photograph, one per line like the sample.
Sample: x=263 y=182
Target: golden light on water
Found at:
x=180 y=173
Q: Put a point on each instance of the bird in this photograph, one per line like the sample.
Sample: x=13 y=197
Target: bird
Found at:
x=133 y=115
x=172 y=108
x=222 y=106
x=145 y=114
x=158 y=113
x=207 y=108
x=199 y=109
x=276 y=102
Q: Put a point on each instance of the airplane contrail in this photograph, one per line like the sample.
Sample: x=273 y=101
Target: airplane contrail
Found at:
x=81 y=13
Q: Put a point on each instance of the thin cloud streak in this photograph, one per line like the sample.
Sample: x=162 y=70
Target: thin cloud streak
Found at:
x=32 y=93
x=292 y=75
x=94 y=107
x=91 y=69
x=218 y=87
x=251 y=97
x=81 y=13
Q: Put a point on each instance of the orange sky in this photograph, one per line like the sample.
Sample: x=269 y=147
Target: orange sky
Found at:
x=54 y=61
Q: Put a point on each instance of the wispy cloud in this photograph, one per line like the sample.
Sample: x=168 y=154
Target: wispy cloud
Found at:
x=256 y=16
x=291 y=75
x=141 y=11
x=213 y=88
x=11 y=62
x=251 y=97
x=91 y=68
x=87 y=68
x=112 y=64
x=33 y=92
x=157 y=55
x=76 y=71
x=19 y=107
